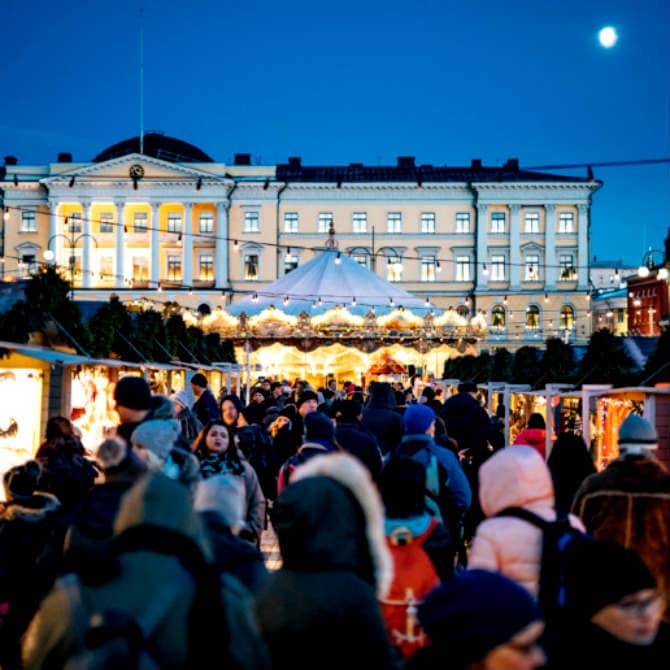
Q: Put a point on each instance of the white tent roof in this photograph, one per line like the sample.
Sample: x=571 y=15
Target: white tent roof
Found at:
x=335 y=279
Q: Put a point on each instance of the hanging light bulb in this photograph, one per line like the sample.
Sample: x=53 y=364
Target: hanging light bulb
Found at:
x=179 y=240
x=427 y=302
x=391 y=302
x=320 y=301
x=254 y=297
x=353 y=301
x=5 y=216
x=159 y=288
x=338 y=258
x=236 y=245
x=617 y=276
x=485 y=270
x=546 y=297
x=190 y=290
x=438 y=267
x=288 y=253
x=125 y=233
x=504 y=300
x=286 y=300
x=588 y=296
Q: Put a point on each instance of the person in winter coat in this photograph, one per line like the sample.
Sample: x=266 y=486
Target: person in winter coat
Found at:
x=218 y=454
x=221 y=502
x=319 y=440
x=231 y=413
x=480 y=620
x=614 y=610
x=352 y=437
x=320 y=609
x=629 y=501
x=516 y=477
x=380 y=417
x=31 y=544
x=285 y=439
x=534 y=434
x=159 y=544
x=189 y=422
x=134 y=404
x=570 y=464
x=205 y=407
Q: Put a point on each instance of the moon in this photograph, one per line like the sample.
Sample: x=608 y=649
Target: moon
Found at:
x=607 y=37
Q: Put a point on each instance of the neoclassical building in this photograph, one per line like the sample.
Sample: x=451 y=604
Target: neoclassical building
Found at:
x=165 y=222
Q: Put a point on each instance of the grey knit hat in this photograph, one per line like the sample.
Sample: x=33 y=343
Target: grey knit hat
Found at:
x=224 y=494
x=637 y=434
x=157 y=435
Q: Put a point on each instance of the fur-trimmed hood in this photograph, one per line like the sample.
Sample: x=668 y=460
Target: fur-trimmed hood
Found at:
x=33 y=510
x=331 y=516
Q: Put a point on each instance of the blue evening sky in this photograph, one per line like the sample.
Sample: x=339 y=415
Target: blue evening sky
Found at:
x=358 y=81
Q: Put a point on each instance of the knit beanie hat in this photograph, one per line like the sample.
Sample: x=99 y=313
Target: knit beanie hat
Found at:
x=605 y=573
x=181 y=398
x=133 y=393
x=428 y=393
x=417 y=419
x=318 y=427
x=402 y=484
x=21 y=481
x=289 y=411
x=349 y=409
x=224 y=494
x=637 y=434
x=158 y=436
x=199 y=380
x=474 y=613
x=307 y=395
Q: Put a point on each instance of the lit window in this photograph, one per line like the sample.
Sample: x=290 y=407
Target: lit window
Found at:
x=531 y=222
x=28 y=221
x=29 y=263
x=566 y=222
x=393 y=222
x=394 y=268
x=291 y=222
x=140 y=268
x=206 y=263
x=323 y=222
x=567 y=267
x=428 y=268
x=497 y=268
x=74 y=222
x=107 y=269
x=498 y=222
x=428 y=222
x=498 y=318
x=140 y=224
x=361 y=259
x=567 y=317
x=462 y=222
x=251 y=266
x=106 y=222
x=206 y=222
x=252 y=222
x=463 y=268
x=532 y=272
x=174 y=268
x=532 y=317
x=174 y=222
x=359 y=222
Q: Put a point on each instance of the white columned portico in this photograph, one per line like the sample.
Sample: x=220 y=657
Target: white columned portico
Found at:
x=480 y=242
x=52 y=244
x=514 y=250
x=188 y=245
x=550 y=246
x=155 y=244
x=120 y=247
x=86 y=239
x=221 y=259
x=583 y=246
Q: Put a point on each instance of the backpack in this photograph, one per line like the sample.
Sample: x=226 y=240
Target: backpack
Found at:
x=291 y=463
x=414 y=576
x=562 y=544
x=113 y=639
x=254 y=442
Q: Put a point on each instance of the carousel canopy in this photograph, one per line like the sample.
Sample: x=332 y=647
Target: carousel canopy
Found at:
x=329 y=280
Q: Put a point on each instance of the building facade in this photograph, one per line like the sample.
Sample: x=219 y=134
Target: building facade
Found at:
x=171 y=224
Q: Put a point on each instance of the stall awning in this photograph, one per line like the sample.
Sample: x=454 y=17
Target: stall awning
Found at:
x=55 y=357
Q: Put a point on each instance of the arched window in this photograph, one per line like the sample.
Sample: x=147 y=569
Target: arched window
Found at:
x=532 y=317
x=567 y=317
x=498 y=318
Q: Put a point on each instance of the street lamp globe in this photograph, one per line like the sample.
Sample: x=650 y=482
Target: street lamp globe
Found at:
x=643 y=271
x=48 y=255
x=663 y=273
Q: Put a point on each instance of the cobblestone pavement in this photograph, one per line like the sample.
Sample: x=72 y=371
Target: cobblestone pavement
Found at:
x=270 y=549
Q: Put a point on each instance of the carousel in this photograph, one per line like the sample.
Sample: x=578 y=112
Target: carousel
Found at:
x=332 y=317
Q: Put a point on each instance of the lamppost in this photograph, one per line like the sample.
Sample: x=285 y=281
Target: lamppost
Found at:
x=647 y=264
x=72 y=241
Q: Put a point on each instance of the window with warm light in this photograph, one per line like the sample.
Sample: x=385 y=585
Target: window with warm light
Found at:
x=393 y=222
x=174 y=268
x=532 y=267
x=531 y=222
x=532 y=317
x=566 y=264
x=140 y=268
x=140 y=220
x=498 y=222
x=428 y=222
x=74 y=222
x=359 y=222
x=251 y=267
x=206 y=222
x=106 y=222
x=567 y=319
x=463 y=268
x=462 y=222
x=498 y=318
x=174 y=222
x=324 y=221
x=394 y=268
x=252 y=222
x=427 y=268
x=28 y=221
x=206 y=267
x=106 y=269
x=291 y=220
x=566 y=222
x=498 y=267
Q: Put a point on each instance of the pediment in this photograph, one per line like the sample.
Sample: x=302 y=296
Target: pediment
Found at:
x=119 y=169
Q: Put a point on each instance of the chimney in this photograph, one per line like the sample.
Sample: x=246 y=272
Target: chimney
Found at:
x=64 y=157
x=11 y=160
x=242 y=159
x=406 y=162
x=512 y=164
x=476 y=164
x=295 y=162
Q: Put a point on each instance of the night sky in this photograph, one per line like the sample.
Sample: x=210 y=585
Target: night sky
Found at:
x=358 y=81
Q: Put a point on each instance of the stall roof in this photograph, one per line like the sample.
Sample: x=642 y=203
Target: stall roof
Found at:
x=54 y=356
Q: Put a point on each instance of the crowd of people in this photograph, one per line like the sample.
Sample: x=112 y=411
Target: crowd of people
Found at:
x=411 y=537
